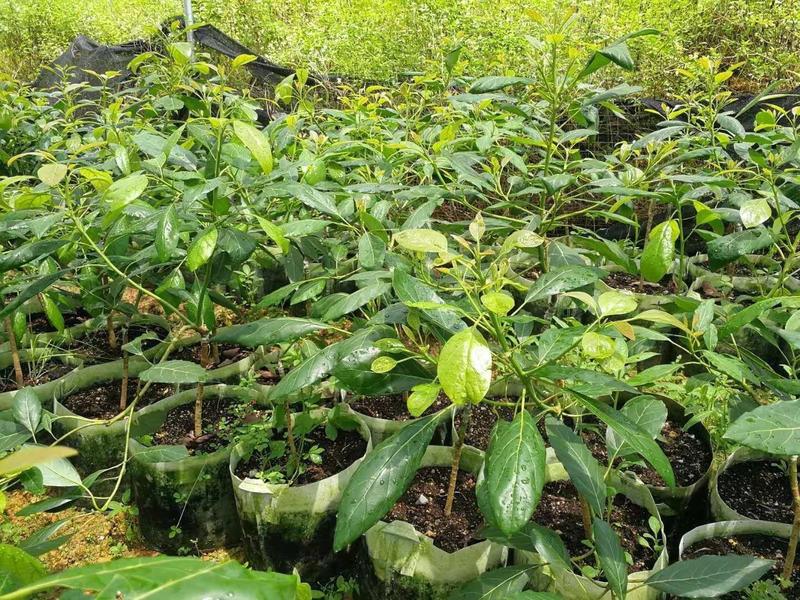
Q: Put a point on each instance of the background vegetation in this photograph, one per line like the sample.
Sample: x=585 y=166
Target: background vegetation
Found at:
x=379 y=38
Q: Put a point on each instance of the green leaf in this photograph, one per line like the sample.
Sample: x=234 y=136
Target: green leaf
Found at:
x=632 y=434
x=421 y=240
x=535 y=538
x=52 y=174
x=563 y=279
x=380 y=480
x=493 y=83
x=27 y=409
x=653 y=374
x=52 y=312
x=371 y=251
x=586 y=474
x=37 y=287
x=647 y=412
x=411 y=290
x=267 y=332
x=465 y=367
x=176 y=372
x=774 y=429
x=494 y=585
x=124 y=191
x=58 y=472
x=659 y=252
x=500 y=303
x=597 y=346
x=616 y=303
x=256 y=142
x=709 y=576
x=383 y=364
x=170 y=577
x=18 y=569
x=275 y=233
x=167 y=234
x=728 y=248
x=26 y=253
x=422 y=397
x=31 y=456
x=515 y=471
x=307 y=373
x=202 y=248
x=354 y=301
x=611 y=556
x=311 y=197
x=754 y=212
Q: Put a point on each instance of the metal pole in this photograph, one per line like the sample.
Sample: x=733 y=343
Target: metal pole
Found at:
x=188 y=21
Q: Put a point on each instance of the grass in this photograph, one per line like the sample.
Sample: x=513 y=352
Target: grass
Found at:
x=379 y=38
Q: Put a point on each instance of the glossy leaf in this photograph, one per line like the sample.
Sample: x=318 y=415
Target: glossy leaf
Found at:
x=202 y=248
x=31 y=456
x=27 y=409
x=465 y=367
x=411 y=290
x=354 y=301
x=611 y=557
x=169 y=577
x=562 y=279
x=515 y=471
x=24 y=254
x=421 y=240
x=371 y=251
x=647 y=412
x=267 y=332
x=494 y=585
x=257 y=143
x=728 y=248
x=18 y=569
x=659 y=251
x=709 y=576
x=586 y=474
x=380 y=480
x=774 y=428
x=124 y=191
x=631 y=434
x=175 y=372
x=500 y=303
x=422 y=397
x=167 y=234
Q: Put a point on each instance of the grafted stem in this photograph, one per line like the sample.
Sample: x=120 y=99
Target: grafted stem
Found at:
x=791 y=551
x=123 y=392
x=12 y=344
x=198 y=403
x=458 y=446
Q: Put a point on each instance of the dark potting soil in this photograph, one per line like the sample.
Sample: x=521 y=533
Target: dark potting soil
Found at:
x=758 y=490
x=760 y=546
x=625 y=281
x=560 y=510
x=484 y=417
x=102 y=401
x=689 y=455
x=33 y=374
x=95 y=347
x=219 y=415
x=393 y=408
x=228 y=354
x=337 y=455
x=423 y=506
x=38 y=323
x=453 y=212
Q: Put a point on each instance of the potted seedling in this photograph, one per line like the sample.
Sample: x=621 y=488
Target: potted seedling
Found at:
x=775 y=429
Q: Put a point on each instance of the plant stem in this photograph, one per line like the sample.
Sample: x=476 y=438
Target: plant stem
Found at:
x=198 y=403
x=788 y=566
x=586 y=517
x=458 y=446
x=123 y=392
x=112 y=336
x=294 y=458
x=12 y=344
